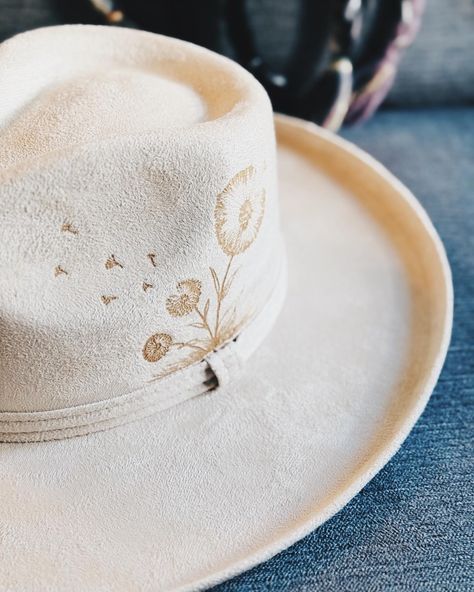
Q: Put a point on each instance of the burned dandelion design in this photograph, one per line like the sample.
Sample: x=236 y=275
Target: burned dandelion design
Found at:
x=238 y=215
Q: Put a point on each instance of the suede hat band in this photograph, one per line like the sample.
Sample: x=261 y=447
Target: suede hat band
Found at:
x=217 y=369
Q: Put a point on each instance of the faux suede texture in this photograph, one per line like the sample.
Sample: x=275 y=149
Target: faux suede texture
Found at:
x=115 y=147
x=205 y=489
x=218 y=369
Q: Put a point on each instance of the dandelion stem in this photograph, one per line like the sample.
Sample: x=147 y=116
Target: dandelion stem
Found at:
x=204 y=322
x=190 y=345
x=220 y=296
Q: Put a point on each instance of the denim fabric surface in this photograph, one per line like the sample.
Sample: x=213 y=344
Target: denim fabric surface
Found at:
x=411 y=528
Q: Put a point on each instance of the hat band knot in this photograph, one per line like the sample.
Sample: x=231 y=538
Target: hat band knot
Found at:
x=216 y=370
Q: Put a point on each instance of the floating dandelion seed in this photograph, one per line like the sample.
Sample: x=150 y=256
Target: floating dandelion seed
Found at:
x=68 y=227
x=108 y=299
x=58 y=270
x=152 y=258
x=112 y=262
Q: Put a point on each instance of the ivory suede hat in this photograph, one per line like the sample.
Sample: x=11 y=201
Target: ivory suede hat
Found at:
x=198 y=364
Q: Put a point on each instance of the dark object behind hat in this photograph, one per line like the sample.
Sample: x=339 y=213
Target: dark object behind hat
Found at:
x=330 y=62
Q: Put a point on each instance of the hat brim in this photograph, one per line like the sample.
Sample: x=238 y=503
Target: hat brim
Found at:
x=193 y=495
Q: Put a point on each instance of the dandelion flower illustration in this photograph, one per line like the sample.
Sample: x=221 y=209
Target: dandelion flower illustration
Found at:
x=157 y=346
x=239 y=212
x=186 y=300
x=238 y=215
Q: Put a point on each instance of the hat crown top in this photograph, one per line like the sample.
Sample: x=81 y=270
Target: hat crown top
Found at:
x=139 y=213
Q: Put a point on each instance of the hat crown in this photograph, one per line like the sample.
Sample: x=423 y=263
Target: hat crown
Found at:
x=139 y=220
